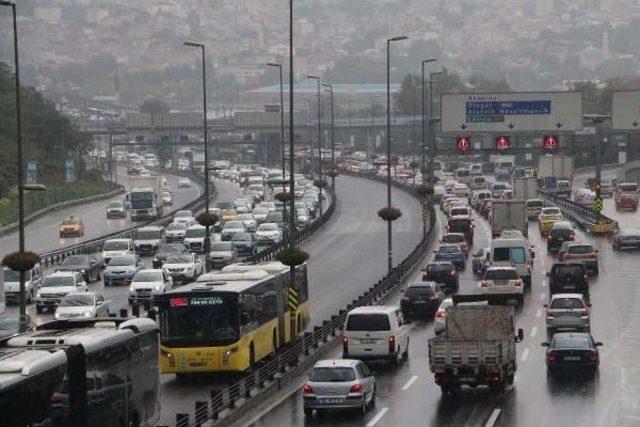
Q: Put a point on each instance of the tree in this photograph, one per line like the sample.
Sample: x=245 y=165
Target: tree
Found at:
x=482 y=84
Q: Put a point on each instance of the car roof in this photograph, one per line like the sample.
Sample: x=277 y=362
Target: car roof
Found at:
x=150 y=228
x=62 y=274
x=196 y=227
x=559 y=296
x=501 y=268
x=421 y=284
x=374 y=309
x=432 y=263
x=562 y=224
x=339 y=363
x=453 y=234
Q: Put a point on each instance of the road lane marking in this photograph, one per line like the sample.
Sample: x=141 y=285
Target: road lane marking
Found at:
x=493 y=418
x=534 y=331
x=525 y=355
x=409 y=383
x=539 y=312
x=377 y=418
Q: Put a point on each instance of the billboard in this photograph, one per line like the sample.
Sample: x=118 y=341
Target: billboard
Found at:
x=70 y=171
x=511 y=112
x=625 y=110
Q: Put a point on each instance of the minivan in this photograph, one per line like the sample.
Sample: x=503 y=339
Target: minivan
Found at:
x=375 y=332
x=513 y=253
x=478 y=182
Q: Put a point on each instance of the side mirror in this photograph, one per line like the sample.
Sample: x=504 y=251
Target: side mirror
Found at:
x=589 y=305
x=599 y=344
x=520 y=335
x=544 y=344
x=548 y=274
x=545 y=305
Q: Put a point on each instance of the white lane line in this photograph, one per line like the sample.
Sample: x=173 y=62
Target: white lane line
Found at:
x=525 y=355
x=534 y=331
x=493 y=418
x=409 y=383
x=539 y=312
x=377 y=418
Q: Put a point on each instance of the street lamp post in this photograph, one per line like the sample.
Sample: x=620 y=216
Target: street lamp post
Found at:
x=271 y=64
x=424 y=144
x=431 y=138
x=319 y=139
x=389 y=230
x=292 y=221
x=207 y=241
x=333 y=139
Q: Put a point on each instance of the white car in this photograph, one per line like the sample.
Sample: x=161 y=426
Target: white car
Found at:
x=183 y=267
x=302 y=217
x=195 y=237
x=260 y=214
x=502 y=281
x=116 y=247
x=82 y=305
x=269 y=233
x=184 y=183
x=440 y=319
x=184 y=217
x=56 y=286
x=147 y=283
x=175 y=232
x=249 y=222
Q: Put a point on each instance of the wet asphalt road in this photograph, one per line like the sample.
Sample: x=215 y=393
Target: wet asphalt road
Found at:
x=409 y=396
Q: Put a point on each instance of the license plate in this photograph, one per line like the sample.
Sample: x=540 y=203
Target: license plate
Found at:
x=572 y=358
x=367 y=340
x=501 y=282
x=332 y=400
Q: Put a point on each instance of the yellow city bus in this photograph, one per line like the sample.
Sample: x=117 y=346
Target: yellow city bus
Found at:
x=231 y=319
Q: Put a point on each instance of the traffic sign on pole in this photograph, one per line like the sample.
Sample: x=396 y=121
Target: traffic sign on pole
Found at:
x=597 y=204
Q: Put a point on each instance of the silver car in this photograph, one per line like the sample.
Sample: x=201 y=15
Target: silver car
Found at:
x=339 y=384
x=568 y=311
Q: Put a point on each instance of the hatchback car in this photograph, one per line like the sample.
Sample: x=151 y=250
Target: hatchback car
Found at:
x=453 y=254
x=221 y=254
x=458 y=238
x=245 y=243
x=572 y=352
x=184 y=216
x=116 y=210
x=72 y=227
x=560 y=232
x=421 y=299
x=121 y=269
x=164 y=251
x=502 y=281
x=82 y=305
x=339 y=384
x=567 y=311
x=230 y=228
x=626 y=238
x=569 y=278
x=547 y=218
x=87 y=265
x=442 y=272
x=175 y=232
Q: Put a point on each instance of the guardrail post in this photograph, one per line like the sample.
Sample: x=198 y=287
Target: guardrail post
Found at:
x=316 y=329
x=135 y=310
x=182 y=420
x=333 y=325
x=201 y=412
x=325 y=323
x=215 y=397
x=307 y=340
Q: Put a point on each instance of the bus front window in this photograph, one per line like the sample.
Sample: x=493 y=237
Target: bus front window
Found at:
x=200 y=320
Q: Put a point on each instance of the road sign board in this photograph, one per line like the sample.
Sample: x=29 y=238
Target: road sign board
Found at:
x=625 y=110
x=511 y=112
x=292 y=293
x=463 y=143
x=597 y=204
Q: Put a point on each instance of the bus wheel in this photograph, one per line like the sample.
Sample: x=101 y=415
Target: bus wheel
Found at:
x=252 y=357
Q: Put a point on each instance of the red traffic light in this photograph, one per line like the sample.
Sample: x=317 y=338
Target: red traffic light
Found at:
x=463 y=143
x=550 y=142
x=503 y=142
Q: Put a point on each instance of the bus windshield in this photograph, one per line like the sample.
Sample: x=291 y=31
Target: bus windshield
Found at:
x=193 y=320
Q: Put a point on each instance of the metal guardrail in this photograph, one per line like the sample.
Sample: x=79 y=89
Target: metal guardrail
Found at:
x=117 y=189
x=270 y=373
x=588 y=219
x=95 y=245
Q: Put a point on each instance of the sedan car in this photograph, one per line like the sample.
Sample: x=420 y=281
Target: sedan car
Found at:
x=245 y=243
x=502 y=281
x=249 y=222
x=13 y=325
x=221 y=254
x=183 y=267
x=82 y=305
x=442 y=272
x=582 y=252
x=568 y=311
x=147 y=283
x=421 y=299
x=230 y=228
x=572 y=352
x=561 y=231
x=268 y=233
x=184 y=183
x=260 y=214
x=121 y=269
x=458 y=238
x=453 y=254
x=116 y=210
x=175 y=232
x=87 y=265
x=626 y=238
x=339 y=384
x=184 y=216
x=165 y=250
x=71 y=227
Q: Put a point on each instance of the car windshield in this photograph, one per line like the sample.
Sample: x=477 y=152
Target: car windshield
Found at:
x=179 y=258
x=580 y=249
x=74 y=260
x=221 y=247
x=551 y=211
x=573 y=342
x=148 y=276
x=439 y=267
x=115 y=245
x=54 y=281
x=459 y=211
x=452 y=238
x=567 y=271
x=628 y=188
x=260 y=211
x=332 y=375
x=116 y=205
x=241 y=236
x=183 y=214
x=171 y=248
x=535 y=203
x=70 y=221
x=419 y=291
x=268 y=227
x=14 y=276
x=500 y=274
x=120 y=261
x=148 y=235
x=368 y=322
x=196 y=232
x=567 y=303
x=234 y=224
x=76 y=300
x=516 y=255
x=245 y=217
x=449 y=249
x=176 y=226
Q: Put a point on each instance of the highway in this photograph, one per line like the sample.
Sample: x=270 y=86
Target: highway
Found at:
x=409 y=396
x=346 y=256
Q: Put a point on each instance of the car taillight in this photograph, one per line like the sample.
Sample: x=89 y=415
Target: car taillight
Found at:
x=406 y=299
x=549 y=312
x=485 y=283
x=518 y=282
x=97 y=395
x=432 y=297
x=551 y=358
x=593 y=356
x=345 y=344
x=356 y=388
x=441 y=314
x=593 y=256
x=586 y=277
x=307 y=389
x=452 y=273
x=55 y=400
x=584 y=312
x=392 y=344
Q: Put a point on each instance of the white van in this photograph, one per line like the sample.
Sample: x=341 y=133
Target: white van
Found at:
x=513 y=253
x=375 y=332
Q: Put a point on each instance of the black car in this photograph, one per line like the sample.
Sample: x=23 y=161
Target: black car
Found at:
x=480 y=261
x=165 y=250
x=14 y=325
x=569 y=278
x=444 y=273
x=87 y=265
x=245 y=243
x=560 y=232
x=421 y=299
x=572 y=352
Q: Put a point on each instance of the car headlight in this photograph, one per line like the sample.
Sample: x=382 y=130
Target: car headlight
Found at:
x=158 y=287
x=132 y=288
x=83 y=271
x=86 y=314
x=38 y=295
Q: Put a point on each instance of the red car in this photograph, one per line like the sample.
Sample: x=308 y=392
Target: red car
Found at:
x=627 y=196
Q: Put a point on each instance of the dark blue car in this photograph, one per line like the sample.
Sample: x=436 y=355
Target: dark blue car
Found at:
x=452 y=254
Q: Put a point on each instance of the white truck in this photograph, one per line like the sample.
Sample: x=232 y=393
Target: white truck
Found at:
x=508 y=215
x=144 y=199
x=556 y=174
x=478 y=346
x=525 y=188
